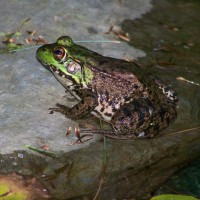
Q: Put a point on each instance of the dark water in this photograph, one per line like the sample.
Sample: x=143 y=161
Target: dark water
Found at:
x=186 y=181
x=169 y=35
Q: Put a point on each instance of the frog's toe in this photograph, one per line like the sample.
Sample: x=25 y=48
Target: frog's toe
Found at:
x=56 y=109
x=62 y=106
x=62 y=109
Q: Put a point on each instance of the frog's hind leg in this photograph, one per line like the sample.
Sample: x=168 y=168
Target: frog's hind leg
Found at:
x=140 y=118
x=129 y=121
x=166 y=114
x=143 y=118
x=132 y=118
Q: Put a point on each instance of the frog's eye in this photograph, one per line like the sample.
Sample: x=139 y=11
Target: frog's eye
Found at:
x=73 y=67
x=59 y=53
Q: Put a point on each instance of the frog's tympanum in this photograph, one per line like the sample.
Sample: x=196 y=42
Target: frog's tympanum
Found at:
x=135 y=103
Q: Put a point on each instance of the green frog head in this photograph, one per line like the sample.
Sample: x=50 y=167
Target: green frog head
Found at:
x=67 y=61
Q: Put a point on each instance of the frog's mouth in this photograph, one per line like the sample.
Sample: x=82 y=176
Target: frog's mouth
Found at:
x=58 y=71
x=64 y=79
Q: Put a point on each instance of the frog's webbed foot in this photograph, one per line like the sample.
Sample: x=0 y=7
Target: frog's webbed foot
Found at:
x=111 y=134
x=61 y=109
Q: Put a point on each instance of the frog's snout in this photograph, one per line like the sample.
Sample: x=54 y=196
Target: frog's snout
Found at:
x=41 y=52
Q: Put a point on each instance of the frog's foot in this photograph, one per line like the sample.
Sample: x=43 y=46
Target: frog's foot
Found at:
x=111 y=134
x=61 y=109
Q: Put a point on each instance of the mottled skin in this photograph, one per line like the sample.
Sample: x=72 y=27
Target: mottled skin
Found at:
x=119 y=92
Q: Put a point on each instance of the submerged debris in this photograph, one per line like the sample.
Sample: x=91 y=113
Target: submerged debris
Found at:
x=17 y=39
x=18 y=187
x=118 y=33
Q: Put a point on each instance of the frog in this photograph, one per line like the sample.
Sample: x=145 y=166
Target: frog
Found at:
x=132 y=101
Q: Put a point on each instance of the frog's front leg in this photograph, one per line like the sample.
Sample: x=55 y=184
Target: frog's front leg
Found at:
x=84 y=107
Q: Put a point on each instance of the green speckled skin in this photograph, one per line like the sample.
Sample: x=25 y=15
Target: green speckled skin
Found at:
x=119 y=92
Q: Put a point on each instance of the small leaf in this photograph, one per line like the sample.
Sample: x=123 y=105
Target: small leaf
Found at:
x=173 y=197
x=17 y=33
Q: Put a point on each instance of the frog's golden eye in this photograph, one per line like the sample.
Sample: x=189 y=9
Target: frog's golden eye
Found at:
x=73 y=67
x=59 y=53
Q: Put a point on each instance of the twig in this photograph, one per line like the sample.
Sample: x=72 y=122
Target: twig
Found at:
x=182 y=131
x=188 y=81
